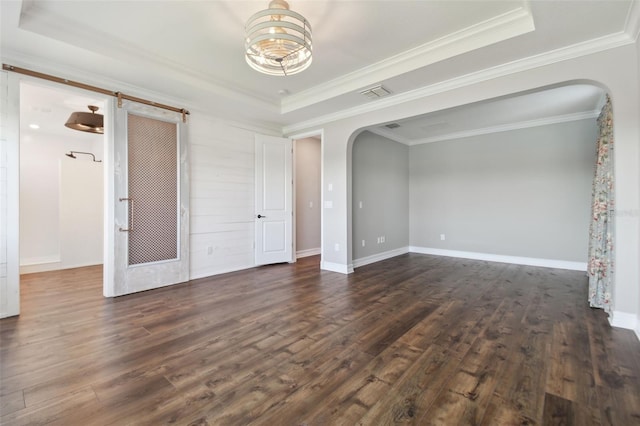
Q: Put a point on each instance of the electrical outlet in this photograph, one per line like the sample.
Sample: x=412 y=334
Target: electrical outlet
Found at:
x=360 y=204
x=336 y=247
x=382 y=239
x=362 y=243
x=378 y=240
x=209 y=250
x=441 y=237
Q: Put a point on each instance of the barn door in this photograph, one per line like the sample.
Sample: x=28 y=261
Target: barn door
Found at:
x=151 y=199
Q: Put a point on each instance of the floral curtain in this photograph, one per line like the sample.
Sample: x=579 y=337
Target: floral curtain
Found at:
x=600 y=267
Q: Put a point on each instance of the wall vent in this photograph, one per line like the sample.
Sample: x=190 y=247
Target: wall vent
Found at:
x=392 y=125
x=376 y=92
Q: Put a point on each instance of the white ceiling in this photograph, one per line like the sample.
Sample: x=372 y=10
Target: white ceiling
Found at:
x=48 y=109
x=192 y=51
x=560 y=104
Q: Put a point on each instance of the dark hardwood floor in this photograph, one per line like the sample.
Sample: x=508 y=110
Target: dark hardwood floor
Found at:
x=414 y=340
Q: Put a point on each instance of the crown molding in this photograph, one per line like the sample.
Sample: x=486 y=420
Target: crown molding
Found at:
x=72 y=73
x=632 y=25
x=487 y=130
x=508 y=127
x=57 y=69
x=389 y=135
x=499 y=28
x=317 y=134
x=60 y=28
x=548 y=58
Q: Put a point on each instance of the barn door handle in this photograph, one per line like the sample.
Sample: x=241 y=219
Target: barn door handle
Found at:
x=260 y=216
x=130 y=228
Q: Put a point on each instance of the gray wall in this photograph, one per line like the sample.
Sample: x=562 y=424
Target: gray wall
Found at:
x=308 y=173
x=520 y=193
x=380 y=174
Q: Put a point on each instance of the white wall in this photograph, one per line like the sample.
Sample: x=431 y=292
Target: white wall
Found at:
x=222 y=196
x=524 y=193
x=40 y=201
x=4 y=145
x=380 y=198
x=81 y=213
x=9 y=185
x=307 y=209
x=61 y=222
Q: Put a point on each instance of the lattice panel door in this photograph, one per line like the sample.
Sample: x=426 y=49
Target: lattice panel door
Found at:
x=153 y=189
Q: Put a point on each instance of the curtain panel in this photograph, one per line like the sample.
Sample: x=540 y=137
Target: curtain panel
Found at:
x=601 y=245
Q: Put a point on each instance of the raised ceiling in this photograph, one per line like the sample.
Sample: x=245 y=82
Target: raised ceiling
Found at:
x=553 y=105
x=192 y=51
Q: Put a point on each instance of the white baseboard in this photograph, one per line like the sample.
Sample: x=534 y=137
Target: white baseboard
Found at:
x=40 y=260
x=52 y=266
x=336 y=267
x=379 y=256
x=40 y=264
x=307 y=253
x=210 y=273
x=530 y=261
x=44 y=267
x=625 y=320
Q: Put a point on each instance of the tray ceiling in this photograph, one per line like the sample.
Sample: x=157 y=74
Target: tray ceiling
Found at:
x=192 y=51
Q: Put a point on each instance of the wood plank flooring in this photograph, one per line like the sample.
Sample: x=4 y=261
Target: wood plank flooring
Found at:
x=411 y=340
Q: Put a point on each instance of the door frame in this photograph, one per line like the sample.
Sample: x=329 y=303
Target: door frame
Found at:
x=282 y=214
x=10 y=294
x=295 y=137
x=12 y=138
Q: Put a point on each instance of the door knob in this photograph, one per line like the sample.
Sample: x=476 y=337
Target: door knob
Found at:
x=260 y=216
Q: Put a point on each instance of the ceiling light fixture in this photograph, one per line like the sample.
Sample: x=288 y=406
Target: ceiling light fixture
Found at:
x=86 y=121
x=278 y=40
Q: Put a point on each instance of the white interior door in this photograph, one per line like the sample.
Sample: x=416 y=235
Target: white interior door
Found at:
x=151 y=199
x=274 y=202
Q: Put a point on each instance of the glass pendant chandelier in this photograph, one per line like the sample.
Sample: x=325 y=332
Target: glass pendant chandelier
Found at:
x=278 y=40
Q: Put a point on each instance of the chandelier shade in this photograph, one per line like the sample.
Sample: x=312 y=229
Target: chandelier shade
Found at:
x=86 y=121
x=278 y=40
